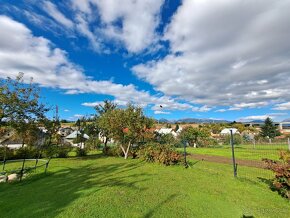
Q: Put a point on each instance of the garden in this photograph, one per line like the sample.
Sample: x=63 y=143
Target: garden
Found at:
x=127 y=168
x=101 y=186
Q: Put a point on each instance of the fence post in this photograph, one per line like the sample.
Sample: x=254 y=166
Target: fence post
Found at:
x=185 y=162
x=4 y=159
x=233 y=154
x=22 y=169
x=46 y=165
x=289 y=144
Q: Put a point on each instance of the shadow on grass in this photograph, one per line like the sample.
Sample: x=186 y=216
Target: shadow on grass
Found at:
x=153 y=210
x=266 y=181
x=48 y=194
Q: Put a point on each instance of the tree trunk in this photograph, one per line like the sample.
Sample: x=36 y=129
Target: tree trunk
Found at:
x=126 y=152
x=22 y=143
x=106 y=141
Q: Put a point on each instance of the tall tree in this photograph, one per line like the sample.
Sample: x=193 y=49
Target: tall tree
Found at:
x=19 y=101
x=101 y=120
x=19 y=104
x=193 y=135
x=269 y=129
x=128 y=126
x=105 y=107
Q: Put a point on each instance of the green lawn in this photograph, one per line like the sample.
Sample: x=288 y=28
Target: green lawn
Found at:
x=247 y=152
x=98 y=186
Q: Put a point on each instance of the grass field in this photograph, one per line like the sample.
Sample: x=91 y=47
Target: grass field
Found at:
x=98 y=186
x=246 y=152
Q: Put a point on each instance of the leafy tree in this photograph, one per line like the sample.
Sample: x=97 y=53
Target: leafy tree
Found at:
x=81 y=125
x=105 y=107
x=269 y=129
x=236 y=137
x=193 y=136
x=128 y=126
x=176 y=128
x=101 y=122
x=166 y=139
x=20 y=106
x=52 y=127
x=20 y=102
x=239 y=126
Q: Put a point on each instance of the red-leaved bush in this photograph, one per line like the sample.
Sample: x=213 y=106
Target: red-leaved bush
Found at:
x=281 y=182
x=160 y=153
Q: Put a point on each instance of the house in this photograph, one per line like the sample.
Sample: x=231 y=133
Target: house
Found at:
x=179 y=130
x=65 y=131
x=11 y=140
x=103 y=139
x=74 y=135
x=227 y=131
x=165 y=131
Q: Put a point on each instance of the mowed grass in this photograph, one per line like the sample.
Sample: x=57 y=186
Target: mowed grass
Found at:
x=98 y=186
x=245 y=152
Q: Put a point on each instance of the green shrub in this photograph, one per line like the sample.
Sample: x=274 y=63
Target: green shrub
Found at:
x=50 y=151
x=160 y=153
x=166 y=139
x=7 y=153
x=93 y=143
x=281 y=182
x=81 y=152
x=237 y=139
x=26 y=152
x=113 y=151
x=208 y=142
x=63 y=150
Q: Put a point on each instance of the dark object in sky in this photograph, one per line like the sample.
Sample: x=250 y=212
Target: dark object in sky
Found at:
x=161 y=106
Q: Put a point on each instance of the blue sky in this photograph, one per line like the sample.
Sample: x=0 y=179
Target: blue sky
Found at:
x=197 y=58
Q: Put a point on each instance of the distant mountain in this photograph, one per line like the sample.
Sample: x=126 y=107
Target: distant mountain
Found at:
x=193 y=120
x=255 y=121
x=286 y=120
x=163 y=120
x=197 y=120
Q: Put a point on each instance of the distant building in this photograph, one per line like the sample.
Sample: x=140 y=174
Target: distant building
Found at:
x=65 y=131
x=70 y=138
x=165 y=131
x=227 y=131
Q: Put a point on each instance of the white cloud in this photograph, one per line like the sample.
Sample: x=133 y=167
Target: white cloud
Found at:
x=216 y=59
x=282 y=107
x=201 y=109
x=79 y=116
x=20 y=51
x=221 y=110
x=92 y=104
x=83 y=28
x=131 y=23
x=262 y=117
x=66 y=110
x=52 y=10
x=162 y=112
x=257 y=117
x=241 y=106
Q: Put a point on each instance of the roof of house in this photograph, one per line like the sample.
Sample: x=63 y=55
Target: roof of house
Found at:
x=164 y=130
x=228 y=131
x=75 y=134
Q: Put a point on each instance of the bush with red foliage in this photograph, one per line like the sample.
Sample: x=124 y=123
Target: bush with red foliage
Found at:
x=281 y=182
x=160 y=153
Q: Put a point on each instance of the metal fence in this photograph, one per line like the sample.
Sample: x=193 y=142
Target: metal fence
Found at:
x=248 y=159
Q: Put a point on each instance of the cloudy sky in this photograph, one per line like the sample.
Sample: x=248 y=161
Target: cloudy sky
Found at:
x=223 y=59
